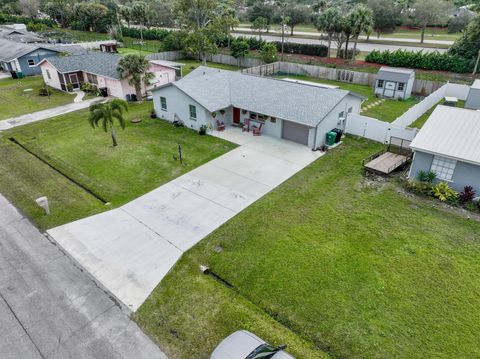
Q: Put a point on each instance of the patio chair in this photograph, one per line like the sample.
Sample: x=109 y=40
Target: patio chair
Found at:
x=220 y=126
x=257 y=131
x=246 y=125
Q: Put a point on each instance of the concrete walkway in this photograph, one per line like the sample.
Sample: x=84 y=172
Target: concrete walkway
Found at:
x=46 y=114
x=50 y=309
x=130 y=249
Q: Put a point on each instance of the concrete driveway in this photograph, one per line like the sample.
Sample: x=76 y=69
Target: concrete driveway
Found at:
x=130 y=249
x=50 y=309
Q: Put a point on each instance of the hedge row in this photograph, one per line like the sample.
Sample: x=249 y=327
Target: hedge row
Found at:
x=421 y=60
x=148 y=34
x=303 y=49
x=7 y=19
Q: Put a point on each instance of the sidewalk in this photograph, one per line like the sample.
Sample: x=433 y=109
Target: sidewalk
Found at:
x=45 y=114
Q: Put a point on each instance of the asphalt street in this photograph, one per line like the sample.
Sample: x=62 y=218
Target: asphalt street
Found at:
x=50 y=308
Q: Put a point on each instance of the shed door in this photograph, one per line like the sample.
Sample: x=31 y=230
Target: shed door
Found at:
x=389 y=90
x=295 y=132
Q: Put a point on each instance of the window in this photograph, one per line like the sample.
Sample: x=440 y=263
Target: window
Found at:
x=48 y=74
x=350 y=109
x=163 y=105
x=92 y=78
x=31 y=62
x=443 y=167
x=341 y=115
x=193 y=112
x=401 y=86
x=380 y=84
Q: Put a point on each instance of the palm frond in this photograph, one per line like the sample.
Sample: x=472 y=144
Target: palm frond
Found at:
x=95 y=117
x=120 y=119
x=119 y=105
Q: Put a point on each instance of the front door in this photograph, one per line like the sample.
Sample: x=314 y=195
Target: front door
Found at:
x=236 y=115
x=74 y=81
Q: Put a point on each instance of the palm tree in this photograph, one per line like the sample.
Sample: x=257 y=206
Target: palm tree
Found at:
x=329 y=22
x=362 y=21
x=136 y=68
x=105 y=113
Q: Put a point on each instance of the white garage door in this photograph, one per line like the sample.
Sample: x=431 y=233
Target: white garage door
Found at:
x=295 y=132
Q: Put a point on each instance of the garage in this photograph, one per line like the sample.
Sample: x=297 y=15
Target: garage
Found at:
x=295 y=132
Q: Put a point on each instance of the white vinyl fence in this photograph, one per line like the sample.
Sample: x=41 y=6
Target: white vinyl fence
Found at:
x=377 y=130
x=414 y=112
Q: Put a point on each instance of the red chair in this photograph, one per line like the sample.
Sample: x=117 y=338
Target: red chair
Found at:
x=257 y=131
x=220 y=126
x=246 y=125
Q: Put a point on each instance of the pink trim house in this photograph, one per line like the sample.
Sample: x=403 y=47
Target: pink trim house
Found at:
x=100 y=69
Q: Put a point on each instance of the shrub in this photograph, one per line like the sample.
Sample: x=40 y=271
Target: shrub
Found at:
x=44 y=91
x=420 y=60
x=174 y=41
x=423 y=188
x=203 y=130
x=69 y=87
x=426 y=176
x=268 y=52
x=444 y=193
x=467 y=195
x=89 y=88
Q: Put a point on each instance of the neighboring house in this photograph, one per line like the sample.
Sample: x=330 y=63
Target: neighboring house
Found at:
x=22 y=59
x=448 y=144
x=393 y=82
x=294 y=111
x=473 y=98
x=100 y=69
x=19 y=33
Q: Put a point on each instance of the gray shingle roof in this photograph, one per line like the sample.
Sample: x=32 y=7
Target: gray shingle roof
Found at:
x=9 y=33
x=394 y=74
x=217 y=89
x=11 y=50
x=98 y=63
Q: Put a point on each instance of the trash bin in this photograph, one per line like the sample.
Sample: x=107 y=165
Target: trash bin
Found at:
x=20 y=75
x=331 y=136
x=339 y=133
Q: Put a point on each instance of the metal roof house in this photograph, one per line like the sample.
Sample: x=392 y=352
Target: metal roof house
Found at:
x=17 y=57
x=294 y=111
x=448 y=144
x=394 y=82
x=473 y=97
x=99 y=69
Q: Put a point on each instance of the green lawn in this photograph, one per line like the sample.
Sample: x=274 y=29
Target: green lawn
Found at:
x=128 y=51
x=419 y=122
x=191 y=65
x=352 y=267
x=388 y=111
x=14 y=101
x=142 y=161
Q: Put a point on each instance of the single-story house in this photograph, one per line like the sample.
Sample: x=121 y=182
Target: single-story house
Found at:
x=19 y=33
x=294 y=111
x=22 y=59
x=473 y=97
x=100 y=69
x=394 y=82
x=448 y=144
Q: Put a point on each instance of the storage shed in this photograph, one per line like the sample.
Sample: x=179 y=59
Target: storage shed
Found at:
x=473 y=98
x=394 y=82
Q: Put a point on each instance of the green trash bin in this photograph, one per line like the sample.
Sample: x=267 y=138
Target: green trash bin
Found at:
x=331 y=138
x=20 y=75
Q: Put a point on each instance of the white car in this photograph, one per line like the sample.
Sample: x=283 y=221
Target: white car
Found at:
x=245 y=345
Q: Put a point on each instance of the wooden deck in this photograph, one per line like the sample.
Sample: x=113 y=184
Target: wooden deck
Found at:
x=386 y=163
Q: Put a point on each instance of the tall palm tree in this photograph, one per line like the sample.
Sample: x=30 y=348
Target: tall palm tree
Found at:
x=136 y=68
x=362 y=21
x=329 y=22
x=105 y=114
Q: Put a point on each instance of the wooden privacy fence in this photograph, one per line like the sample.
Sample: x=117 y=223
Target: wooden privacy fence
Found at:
x=422 y=87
